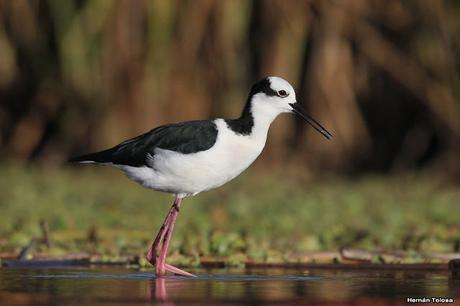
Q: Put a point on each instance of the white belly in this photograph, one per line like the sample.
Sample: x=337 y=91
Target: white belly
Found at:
x=189 y=174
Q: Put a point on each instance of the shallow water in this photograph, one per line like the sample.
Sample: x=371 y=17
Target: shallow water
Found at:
x=117 y=286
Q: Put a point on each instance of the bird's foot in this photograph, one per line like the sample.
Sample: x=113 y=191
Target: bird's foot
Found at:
x=162 y=270
x=168 y=268
x=177 y=271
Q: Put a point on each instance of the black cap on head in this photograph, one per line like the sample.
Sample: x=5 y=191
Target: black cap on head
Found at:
x=262 y=86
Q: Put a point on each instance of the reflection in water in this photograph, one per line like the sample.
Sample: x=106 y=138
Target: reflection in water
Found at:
x=111 y=286
x=158 y=292
x=229 y=288
x=275 y=287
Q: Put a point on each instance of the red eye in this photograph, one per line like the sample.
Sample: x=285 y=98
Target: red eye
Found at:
x=282 y=93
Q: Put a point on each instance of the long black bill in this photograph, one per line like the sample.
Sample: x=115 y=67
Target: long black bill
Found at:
x=315 y=124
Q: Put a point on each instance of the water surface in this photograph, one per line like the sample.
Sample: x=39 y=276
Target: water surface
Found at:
x=118 y=286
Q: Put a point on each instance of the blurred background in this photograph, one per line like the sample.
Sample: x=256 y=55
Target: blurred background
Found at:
x=383 y=76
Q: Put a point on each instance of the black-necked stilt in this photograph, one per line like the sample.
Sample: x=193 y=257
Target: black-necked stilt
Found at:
x=190 y=157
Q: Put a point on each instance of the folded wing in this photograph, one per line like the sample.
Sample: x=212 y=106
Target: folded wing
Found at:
x=185 y=137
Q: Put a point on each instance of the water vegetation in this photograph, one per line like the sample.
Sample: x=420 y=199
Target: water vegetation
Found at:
x=98 y=213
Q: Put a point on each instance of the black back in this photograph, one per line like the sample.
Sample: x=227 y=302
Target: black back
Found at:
x=184 y=137
x=244 y=124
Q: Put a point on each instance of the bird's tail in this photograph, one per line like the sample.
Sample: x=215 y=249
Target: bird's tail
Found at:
x=97 y=157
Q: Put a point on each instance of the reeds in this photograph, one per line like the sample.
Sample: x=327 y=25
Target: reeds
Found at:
x=381 y=75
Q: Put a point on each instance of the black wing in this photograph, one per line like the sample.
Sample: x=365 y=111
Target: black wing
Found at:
x=184 y=137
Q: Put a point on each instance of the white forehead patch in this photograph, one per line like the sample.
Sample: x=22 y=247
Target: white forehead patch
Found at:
x=277 y=83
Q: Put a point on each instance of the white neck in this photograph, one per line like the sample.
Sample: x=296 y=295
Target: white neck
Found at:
x=263 y=117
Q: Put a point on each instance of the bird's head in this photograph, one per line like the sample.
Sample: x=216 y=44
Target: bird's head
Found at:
x=274 y=95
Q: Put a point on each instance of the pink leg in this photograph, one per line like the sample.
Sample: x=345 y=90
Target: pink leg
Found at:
x=164 y=237
x=167 y=237
x=152 y=252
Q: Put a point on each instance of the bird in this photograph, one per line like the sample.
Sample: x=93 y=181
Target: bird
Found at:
x=187 y=158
